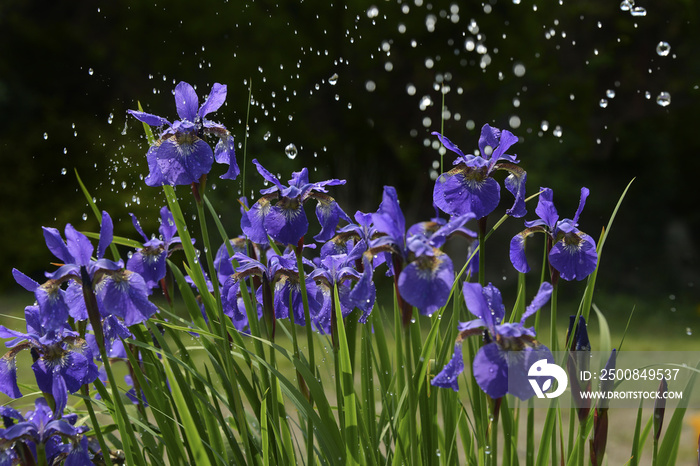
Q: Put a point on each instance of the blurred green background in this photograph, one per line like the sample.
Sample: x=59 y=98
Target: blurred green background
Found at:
x=578 y=82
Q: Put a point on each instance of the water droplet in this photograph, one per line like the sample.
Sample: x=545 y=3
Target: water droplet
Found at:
x=626 y=5
x=638 y=11
x=267 y=135
x=603 y=103
x=84 y=216
x=63 y=171
x=610 y=93
x=110 y=118
x=90 y=71
x=46 y=135
x=370 y=86
x=291 y=151
x=372 y=12
x=688 y=331
x=65 y=150
x=663 y=49
x=557 y=132
x=545 y=125
x=333 y=80
x=519 y=70
x=664 y=99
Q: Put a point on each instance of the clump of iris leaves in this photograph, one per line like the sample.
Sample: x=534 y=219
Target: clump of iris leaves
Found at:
x=274 y=310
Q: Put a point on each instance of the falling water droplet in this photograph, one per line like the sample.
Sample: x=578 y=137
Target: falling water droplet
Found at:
x=545 y=125
x=110 y=118
x=291 y=151
x=63 y=171
x=626 y=5
x=603 y=103
x=372 y=12
x=46 y=135
x=664 y=99
x=90 y=72
x=519 y=70
x=84 y=216
x=638 y=11
x=663 y=49
x=557 y=131
x=688 y=331
x=333 y=80
x=267 y=135
x=610 y=93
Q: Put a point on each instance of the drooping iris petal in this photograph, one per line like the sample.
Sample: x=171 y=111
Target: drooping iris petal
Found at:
x=182 y=159
x=329 y=214
x=225 y=152
x=286 y=221
x=149 y=262
x=8 y=376
x=575 y=256
x=426 y=282
x=253 y=221
x=491 y=370
x=519 y=363
x=79 y=454
x=463 y=190
x=517 y=253
x=125 y=294
x=515 y=183
x=448 y=377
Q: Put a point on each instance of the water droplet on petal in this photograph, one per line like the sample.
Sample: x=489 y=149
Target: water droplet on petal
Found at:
x=291 y=151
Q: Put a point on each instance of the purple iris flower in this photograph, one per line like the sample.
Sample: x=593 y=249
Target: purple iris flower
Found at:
x=469 y=186
x=285 y=220
x=41 y=426
x=280 y=282
x=510 y=348
x=150 y=261
x=222 y=260
x=571 y=252
x=180 y=156
x=425 y=273
x=63 y=361
x=337 y=271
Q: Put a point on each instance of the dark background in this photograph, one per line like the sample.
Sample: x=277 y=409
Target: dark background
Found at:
x=70 y=70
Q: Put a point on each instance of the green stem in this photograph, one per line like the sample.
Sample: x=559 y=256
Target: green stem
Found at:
x=553 y=323
x=412 y=403
x=482 y=250
x=85 y=389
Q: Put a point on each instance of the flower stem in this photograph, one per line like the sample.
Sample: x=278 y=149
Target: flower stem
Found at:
x=553 y=323
x=482 y=250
